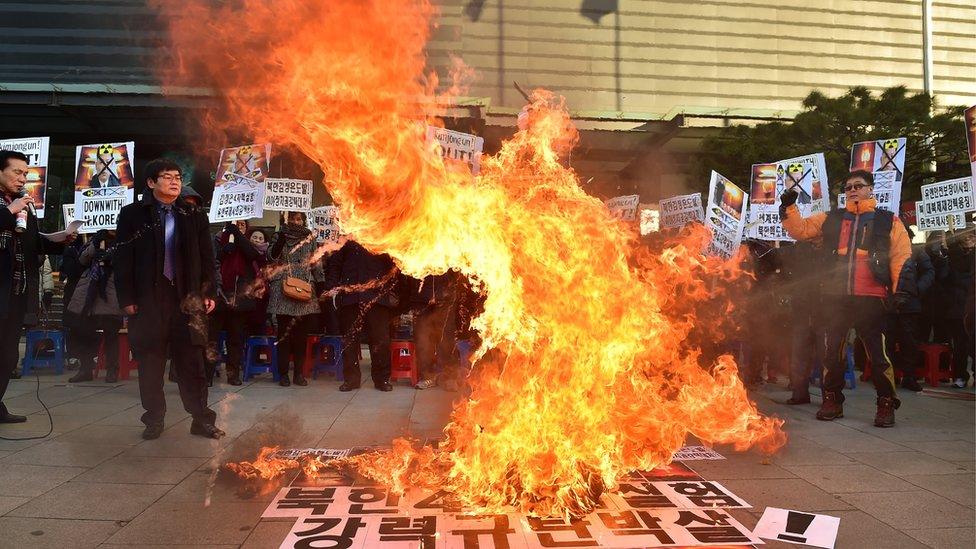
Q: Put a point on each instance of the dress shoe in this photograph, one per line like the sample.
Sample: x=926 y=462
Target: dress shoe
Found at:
x=385 y=386
x=236 y=380
x=153 y=430
x=284 y=381
x=346 y=387
x=15 y=374
x=81 y=377
x=7 y=417
x=111 y=377
x=300 y=380
x=208 y=430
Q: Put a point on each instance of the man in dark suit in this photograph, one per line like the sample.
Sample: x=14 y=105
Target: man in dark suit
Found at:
x=164 y=277
x=20 y=261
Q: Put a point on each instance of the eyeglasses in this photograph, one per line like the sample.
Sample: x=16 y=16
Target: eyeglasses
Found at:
x=170 y=177
x=854 y=187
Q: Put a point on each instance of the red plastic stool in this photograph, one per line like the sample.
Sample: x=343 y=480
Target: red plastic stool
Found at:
x=126 y=362
x=403 y=362
x=933 y=356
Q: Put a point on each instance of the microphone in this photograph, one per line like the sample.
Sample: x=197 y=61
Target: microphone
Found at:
x=30 y=205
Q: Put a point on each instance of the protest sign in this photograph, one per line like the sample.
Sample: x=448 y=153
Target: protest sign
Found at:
x=240 y=184
x=288 y=195
x=324 y=222
x=885 y=159
x=624 y=208
x=694 y=453
x=68 y=211
x=970 y=118
x=36 y=149
x=807 y=175
x=937 y=221
x=796 y=527
x=103 y=183
x=725 y=215
x=678 y=211
x=458 y=146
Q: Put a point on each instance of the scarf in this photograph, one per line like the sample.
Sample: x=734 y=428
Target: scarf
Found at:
x=9 y=243
x=295 y=235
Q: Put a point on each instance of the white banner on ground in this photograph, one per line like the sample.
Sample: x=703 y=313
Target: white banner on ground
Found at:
x=885 y=159
x=36 y=149
x=796 y=527
x=678 y=211
x=103 y=183
x=624 y=208
x=459 y=146
x=725 y=215
x=324 y=221
x=240 y=184
x=288 y=195
x=693 y=453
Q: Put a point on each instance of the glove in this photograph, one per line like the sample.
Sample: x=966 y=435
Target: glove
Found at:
x=47 y=299
x=786 y=200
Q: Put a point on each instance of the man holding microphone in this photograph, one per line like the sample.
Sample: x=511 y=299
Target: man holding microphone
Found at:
x=21 y=248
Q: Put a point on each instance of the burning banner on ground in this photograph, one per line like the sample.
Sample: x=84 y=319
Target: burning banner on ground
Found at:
x=588 y=368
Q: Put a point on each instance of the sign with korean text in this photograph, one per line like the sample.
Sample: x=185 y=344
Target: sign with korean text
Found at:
x=288 y=195
x=725 y=215
x=624 y=208
x=678 y=211
x=970 y=118
x=240 y=184
x=324 y=222
x=885 y=159
x=807 y=175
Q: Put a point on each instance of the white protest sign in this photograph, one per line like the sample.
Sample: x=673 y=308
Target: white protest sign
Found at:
x=807 y=175
x=103 y=183
x=36 y=149
x=725 y=215
x=288 y=195
x=937 y=221
x=324 y=221
x=952 y=196
x=796 y=527
x=68 y=211
x=460 y=146
x=678 y=211
x=624 y=208
x=240 y=184
x=885 y=159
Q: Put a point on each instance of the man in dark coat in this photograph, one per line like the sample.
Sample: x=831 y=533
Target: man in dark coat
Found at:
x=906 y=319
x=20 y=262
x=364 y=288
x=164 y=277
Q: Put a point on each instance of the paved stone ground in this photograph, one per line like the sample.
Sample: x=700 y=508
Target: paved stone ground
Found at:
x=95 y=483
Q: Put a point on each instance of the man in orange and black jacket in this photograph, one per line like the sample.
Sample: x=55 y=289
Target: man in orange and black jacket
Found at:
x=869 y=272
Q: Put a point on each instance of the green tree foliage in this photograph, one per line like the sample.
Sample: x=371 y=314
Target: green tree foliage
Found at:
x=832 y=125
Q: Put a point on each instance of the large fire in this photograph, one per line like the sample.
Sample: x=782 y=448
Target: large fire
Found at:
x=592 y=372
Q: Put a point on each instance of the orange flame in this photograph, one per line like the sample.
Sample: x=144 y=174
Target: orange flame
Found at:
x=590 y=371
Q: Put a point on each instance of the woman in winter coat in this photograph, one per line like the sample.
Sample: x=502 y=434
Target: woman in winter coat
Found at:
x=291 y=256
x=239 y=266
x=93 y=313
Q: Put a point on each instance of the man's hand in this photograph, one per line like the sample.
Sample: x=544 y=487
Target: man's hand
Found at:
x=209 y=304
x=70 y=238
x=20 y=204
x=788 y=198
x=130 y=310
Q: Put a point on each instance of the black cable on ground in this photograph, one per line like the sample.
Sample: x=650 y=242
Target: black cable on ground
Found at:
x=50 y=419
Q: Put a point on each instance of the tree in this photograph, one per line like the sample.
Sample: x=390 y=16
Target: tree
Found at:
x=832 y=125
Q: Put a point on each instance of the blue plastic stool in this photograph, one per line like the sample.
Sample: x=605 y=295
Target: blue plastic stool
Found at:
x=31 y=358
x=334 y=364
x=252 y=365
